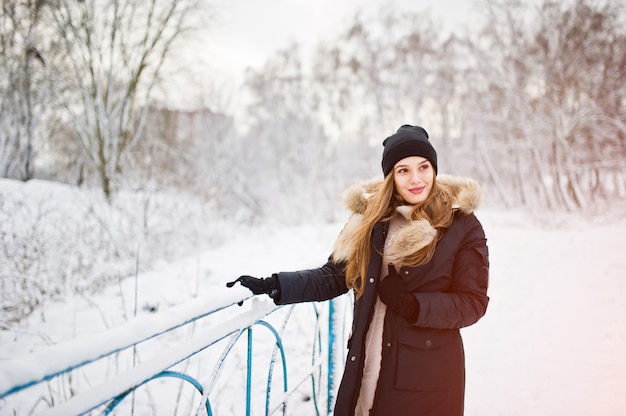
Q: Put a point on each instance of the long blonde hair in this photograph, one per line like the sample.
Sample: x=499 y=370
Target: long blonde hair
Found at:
x=381 y=207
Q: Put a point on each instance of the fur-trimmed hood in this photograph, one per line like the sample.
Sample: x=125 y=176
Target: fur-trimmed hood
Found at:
x=417 y=234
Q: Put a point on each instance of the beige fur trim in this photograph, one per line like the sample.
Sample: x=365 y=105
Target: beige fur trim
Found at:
x=412 y=237
x=344 y=246
x=468 y=194
x=356 y=196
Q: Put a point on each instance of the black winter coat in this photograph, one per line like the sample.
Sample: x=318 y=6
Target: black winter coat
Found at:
x=423 y=365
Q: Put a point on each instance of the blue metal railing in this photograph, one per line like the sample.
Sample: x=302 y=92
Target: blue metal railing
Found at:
x=20 y=375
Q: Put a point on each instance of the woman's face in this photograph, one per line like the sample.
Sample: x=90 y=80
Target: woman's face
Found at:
x=413 y=178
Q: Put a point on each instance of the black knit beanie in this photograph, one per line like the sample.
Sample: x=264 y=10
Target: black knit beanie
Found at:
x=407 y=141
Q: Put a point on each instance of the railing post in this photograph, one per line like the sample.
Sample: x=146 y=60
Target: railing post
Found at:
x=331 y=356
x=249 y=373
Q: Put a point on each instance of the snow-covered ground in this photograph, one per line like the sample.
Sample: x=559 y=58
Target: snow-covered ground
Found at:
x=553 y=341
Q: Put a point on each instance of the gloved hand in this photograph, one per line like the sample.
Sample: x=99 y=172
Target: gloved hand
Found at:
x=258 y=286
x=392 y=293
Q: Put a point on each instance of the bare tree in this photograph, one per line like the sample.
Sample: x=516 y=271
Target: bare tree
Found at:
x=543 y=97
x=286 y=148
x=115 y=50
x=24 y=90
x=377 y=73
x=494 y=104
x=580 y=55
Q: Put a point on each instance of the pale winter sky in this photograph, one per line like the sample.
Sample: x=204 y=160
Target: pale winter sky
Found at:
x=244 y=33
x=249 y=30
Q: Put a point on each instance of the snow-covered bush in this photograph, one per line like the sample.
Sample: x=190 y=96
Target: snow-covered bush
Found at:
x=57 y=240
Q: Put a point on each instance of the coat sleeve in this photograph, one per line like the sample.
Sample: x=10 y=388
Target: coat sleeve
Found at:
x=465 y=302
x=318 y=284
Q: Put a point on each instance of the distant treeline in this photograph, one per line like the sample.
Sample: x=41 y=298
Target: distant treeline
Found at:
x=530 y=101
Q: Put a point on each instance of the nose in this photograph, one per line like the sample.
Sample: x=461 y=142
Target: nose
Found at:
x=415 y=177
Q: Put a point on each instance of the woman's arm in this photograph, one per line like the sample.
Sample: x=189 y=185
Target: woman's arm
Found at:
x=318 y=284
x=465 y=302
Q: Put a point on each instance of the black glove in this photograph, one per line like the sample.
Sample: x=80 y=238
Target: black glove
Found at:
x=393 y=294
x=259 y=286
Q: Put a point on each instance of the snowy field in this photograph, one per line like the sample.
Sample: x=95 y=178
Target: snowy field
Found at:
x=553 y=341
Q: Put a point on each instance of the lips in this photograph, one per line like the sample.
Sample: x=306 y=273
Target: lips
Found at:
x=417 y=190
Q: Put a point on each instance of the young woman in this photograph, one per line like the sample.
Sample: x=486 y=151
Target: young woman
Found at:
x=416 y=258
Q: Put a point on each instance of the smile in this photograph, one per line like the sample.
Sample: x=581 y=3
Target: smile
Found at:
x=418 y=190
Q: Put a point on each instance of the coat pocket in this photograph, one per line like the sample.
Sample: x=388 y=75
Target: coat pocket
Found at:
x=430 y=360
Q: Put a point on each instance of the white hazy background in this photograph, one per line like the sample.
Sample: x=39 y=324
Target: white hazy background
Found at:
x=552 y=342
x=245 y=33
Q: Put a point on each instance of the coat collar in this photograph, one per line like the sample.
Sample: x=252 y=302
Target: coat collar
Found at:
x=416 y=234
x=467 y=193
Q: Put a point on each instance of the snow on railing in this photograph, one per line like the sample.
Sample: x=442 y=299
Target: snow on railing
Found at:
x=321 y=332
